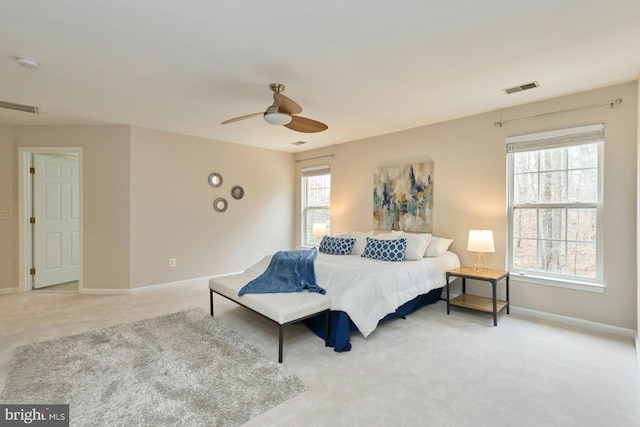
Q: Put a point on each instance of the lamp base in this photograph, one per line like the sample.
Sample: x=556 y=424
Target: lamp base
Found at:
x=480 y=263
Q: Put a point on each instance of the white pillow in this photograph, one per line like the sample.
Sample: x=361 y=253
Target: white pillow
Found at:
x=417 y=244
x=438 y=246
x=361 y=240
x=388 y=236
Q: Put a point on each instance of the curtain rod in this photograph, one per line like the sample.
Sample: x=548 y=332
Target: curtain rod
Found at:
x=610 y=103
x=313 y=158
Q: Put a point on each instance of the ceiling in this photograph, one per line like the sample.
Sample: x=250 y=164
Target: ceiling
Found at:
x=363 y=67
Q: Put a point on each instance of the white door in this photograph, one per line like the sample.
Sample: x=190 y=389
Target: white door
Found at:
x=56 y=210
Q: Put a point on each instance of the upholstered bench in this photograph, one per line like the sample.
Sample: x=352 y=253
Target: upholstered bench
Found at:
x=282 y=308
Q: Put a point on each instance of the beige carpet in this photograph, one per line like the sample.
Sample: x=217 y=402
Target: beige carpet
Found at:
x=428 y=370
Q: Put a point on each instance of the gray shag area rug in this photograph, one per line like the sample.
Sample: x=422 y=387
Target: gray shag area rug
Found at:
x=184 y=368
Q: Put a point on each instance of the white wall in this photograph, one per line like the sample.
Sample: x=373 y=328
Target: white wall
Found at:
x=470 y=191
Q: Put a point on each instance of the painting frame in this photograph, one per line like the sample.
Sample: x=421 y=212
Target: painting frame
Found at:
x=403 y=197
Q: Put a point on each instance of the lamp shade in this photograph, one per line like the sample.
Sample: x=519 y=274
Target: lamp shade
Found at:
x=481 y=241
x=319 y=229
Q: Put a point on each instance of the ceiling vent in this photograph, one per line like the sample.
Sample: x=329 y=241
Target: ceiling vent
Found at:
x=520 y=88
x=19 y=107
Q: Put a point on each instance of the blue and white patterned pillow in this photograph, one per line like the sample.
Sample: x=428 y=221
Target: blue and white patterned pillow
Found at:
x=336 y=245
x=386 y=250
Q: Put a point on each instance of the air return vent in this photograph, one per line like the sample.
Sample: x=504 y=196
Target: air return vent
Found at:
x=520 y=88
x=19 y=107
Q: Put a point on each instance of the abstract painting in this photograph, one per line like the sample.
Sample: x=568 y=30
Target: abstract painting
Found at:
x=403 y=197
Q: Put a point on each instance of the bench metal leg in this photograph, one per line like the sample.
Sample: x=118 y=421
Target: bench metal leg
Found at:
x=280 y=343
x=281 y=326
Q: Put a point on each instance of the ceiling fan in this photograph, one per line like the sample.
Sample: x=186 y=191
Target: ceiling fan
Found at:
x=281 y=113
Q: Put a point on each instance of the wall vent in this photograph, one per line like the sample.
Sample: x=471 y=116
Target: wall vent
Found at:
x=520 y=88
x=19 y=107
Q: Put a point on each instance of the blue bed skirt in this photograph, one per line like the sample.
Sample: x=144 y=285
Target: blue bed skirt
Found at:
x=341 y=325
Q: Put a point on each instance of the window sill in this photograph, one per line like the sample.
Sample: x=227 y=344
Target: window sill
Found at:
x=567 y=284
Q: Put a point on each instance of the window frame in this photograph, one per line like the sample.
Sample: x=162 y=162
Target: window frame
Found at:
x=305 y=208
x=542 y=141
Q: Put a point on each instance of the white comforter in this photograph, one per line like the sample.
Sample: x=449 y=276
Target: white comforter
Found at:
x=368 y=289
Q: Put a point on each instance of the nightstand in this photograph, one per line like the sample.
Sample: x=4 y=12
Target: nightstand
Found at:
x=489 y=305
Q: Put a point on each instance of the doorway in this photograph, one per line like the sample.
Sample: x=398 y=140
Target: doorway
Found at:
x=50 y=197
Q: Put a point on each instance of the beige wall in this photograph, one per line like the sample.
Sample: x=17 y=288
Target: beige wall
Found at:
x=172 y=212
x=638 y=225
x=105 y=204
x=6 y=204
x=470 y=191
x=146 y=199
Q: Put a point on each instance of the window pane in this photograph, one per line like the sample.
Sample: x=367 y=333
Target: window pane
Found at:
x=582 y=259
x=583 y=186
x=525 y=223
x=525 y=188
x=524 y=254
x=583 y=156
x=553 y=211
x=318 y=190
x=552 y=223
x=525 y=162
x=581 y=224
x=551 y=256
x=553 y=159
x=316 y=201
x=552 y=187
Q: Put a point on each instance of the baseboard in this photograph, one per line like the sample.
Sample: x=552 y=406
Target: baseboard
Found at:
x=91 y=291
x=150 y=288
x=587 y=324
x=5 y=291
x=168 y=285
x=198 y=280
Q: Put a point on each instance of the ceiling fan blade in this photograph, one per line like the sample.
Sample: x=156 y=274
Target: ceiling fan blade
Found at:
x=248 y=116
x=286 y=105
x=302 y=124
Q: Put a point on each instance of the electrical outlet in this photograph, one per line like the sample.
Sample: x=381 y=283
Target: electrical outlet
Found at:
x=5 y=214
x=172 y=262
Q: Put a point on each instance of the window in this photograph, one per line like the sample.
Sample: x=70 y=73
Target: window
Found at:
x=316 y=201
x=554 y=205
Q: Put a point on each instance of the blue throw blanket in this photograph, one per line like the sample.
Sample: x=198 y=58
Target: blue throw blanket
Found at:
x=288 y=271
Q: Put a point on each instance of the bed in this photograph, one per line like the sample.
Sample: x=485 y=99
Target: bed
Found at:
x=365 y=292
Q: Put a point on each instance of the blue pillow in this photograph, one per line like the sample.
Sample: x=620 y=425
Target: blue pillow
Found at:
x=386 y=250
x=336 y=245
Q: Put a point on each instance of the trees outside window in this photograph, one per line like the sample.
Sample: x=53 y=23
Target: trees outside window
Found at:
x=554 y=204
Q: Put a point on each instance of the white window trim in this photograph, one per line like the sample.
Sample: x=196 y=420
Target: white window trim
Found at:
x=525 y=277
x=597 y=285
x=304 y=173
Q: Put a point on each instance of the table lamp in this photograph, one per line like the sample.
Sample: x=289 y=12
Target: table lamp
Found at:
x=319 y=230
x=480 y=241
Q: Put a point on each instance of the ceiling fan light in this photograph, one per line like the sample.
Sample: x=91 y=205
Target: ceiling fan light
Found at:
x=277 y=118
